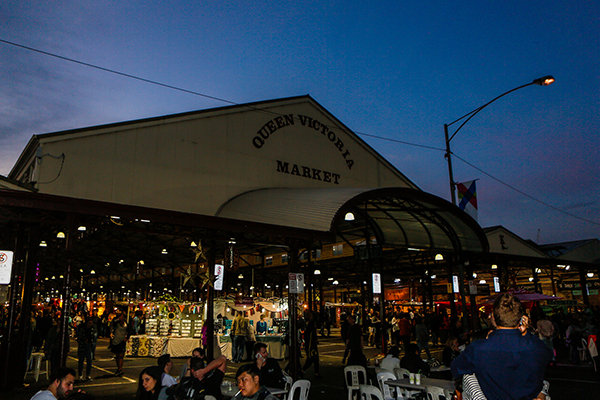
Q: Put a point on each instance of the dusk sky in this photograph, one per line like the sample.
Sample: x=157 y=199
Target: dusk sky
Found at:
x=392 y=70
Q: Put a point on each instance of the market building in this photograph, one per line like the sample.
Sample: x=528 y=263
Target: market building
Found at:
x=148 y=210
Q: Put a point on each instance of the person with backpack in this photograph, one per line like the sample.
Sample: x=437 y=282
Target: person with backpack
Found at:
x=204 y=381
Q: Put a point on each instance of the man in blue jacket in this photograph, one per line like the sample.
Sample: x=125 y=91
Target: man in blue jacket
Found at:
x=508 y=364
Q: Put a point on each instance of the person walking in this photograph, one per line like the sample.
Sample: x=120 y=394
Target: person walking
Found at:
x=250 y=341
x=239 y=329
x=311 y=344
x=85 y=339
x=354 y=344
x=422 y=335
x=118 y=339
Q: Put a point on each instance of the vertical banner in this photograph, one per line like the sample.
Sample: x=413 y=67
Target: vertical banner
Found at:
x=377 y=283
x=496 y=284
x=6 y=260
x=467 y=198
x=455 y=284
x=219 y=274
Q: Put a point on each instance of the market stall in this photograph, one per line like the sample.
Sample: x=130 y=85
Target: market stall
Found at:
x=274 y=312
x=171 y=327
x=175 y=327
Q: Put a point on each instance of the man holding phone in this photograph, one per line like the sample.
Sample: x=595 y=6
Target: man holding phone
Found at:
x=271 y=374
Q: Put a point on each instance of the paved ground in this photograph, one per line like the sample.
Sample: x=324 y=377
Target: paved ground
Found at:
x=566 y=381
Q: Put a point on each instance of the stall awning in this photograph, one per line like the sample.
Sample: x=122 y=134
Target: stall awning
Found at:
x=401 y=217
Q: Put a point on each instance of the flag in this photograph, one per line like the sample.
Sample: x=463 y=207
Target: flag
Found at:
x=467 y=198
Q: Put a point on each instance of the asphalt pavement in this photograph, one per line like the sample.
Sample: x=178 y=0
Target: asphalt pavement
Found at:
x=567 y=381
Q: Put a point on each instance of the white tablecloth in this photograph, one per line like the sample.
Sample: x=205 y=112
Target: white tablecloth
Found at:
x=275 y=346
x=182 y=347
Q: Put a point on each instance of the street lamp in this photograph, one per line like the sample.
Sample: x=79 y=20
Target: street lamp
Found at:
x=544 y=81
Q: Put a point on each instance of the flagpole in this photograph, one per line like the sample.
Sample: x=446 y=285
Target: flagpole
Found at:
x=544 y=81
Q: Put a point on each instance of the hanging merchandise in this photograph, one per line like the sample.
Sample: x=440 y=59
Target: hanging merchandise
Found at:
x=181 y=307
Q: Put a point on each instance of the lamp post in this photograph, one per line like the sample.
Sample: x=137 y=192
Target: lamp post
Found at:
x=544 y=81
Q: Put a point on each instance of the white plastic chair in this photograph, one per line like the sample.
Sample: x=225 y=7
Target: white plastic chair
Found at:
x=289 y=381
x=401 y=373
x=437 y=393
x=368 y=392
x=388 y=392
x=299 y=390
x=354 y=375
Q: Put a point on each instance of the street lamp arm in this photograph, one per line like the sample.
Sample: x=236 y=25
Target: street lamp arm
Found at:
x=544 y=81
x=476 y=111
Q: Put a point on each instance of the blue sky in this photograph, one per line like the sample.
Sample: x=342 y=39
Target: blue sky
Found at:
x=396 y=69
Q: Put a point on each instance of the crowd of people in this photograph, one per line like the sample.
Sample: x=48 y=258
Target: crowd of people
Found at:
x=532 y=337
x=200 y=378
x=507 y=358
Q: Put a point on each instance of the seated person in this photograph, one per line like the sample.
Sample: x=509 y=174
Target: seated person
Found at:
x=202 y=382
x=507 y=364
x=198 y=352
x=271 y=374
x=149 y=384
x=450 y=351
x=472 y=391
x=248 y=381
x=166 y=365
x=61 y=384
x=391 y=360
x=413 y=362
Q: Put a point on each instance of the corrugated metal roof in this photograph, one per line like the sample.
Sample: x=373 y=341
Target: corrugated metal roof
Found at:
x=395 y=216
x=308 y=208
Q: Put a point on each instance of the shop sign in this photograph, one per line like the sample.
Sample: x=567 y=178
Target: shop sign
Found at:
x=483 y=289
x=296 y=283
x=592 y=292
x=219 y=274
x=244 y=301
x=577 y=285
x=563 y=302
x=472 y=287
x=6 y=259
x=282 y=121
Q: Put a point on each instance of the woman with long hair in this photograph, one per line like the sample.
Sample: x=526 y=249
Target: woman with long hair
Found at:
x=150 y=386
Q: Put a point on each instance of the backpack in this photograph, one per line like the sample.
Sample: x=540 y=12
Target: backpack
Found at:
x=186 y=390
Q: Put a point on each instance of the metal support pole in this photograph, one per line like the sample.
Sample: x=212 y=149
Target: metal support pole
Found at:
x=461 y=291
x=210 y=300
x=583 y=283
x=66 y=307
x=293 y=317
x=11 y=339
